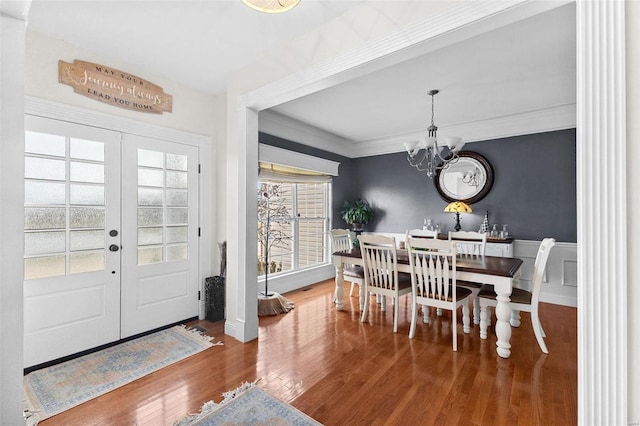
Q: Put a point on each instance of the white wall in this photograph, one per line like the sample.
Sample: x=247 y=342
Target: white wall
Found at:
x=633 y=200
x=193 y=111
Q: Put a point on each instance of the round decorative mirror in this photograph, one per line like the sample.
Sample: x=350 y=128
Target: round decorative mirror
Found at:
x=468 y=179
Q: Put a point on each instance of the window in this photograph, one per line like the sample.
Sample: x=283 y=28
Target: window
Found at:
x=64 y=206
x=293 y=223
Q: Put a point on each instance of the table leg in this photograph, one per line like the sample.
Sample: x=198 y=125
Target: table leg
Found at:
x=339 y=287
x=503 y=328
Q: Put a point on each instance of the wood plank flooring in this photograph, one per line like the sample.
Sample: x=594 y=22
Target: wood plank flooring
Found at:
x=343 y=372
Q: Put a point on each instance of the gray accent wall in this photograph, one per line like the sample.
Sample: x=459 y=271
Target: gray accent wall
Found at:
x=534 y=190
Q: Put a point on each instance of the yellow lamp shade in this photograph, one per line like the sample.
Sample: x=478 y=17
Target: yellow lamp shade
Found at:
x=457 y=207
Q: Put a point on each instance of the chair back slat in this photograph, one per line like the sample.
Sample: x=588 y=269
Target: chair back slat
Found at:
x=469 y=243
x=341 y=240
x=433 y=264
x=380 y=261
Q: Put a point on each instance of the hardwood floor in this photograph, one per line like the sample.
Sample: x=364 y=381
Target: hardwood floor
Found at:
x=341 y=372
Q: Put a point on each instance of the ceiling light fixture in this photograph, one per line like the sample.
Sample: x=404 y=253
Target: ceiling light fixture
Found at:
x=435 y=156
x=271 y=6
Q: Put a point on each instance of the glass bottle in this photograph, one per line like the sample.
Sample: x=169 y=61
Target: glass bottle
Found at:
x=494 y=232
x=430 y=226
x=504 y=234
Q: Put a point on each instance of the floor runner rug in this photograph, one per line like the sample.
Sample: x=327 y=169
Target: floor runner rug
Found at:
x=54 y=389
x=248 y=406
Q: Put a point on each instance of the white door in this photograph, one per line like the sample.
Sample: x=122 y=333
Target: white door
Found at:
x=160 y=233
x=111 y=237
x=72 y=202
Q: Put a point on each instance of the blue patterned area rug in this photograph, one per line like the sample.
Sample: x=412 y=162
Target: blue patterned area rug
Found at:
x=54 y=389
x=248 y=406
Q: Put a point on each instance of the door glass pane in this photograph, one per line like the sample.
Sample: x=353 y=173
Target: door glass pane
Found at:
x=86 y=262
x=86 y=217
x=44 y=168
x=149 y=236
x=177 y=234
x=87 y=194
x=86 y=240
x=149 y=216
x=147 y=177
x=44 y=218
x=47 y=266
x=87 y=150
x=44 y=242
x=176 y=180
x=177 y=197
x=167 y=175
x=149 y=255
x=150 y=158
x=42 y=143
x=176 y=162
x=149 y=197
x=87 y=172
x=44 y=193
x=77 y=225
x=177 y=252
x=177 y=216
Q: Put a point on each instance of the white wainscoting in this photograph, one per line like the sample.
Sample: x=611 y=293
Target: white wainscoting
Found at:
x=560 y=284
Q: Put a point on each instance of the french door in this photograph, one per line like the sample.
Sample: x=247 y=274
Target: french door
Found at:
x=111 y=229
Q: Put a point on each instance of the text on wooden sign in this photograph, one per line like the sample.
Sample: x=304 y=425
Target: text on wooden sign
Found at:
x=114 y=87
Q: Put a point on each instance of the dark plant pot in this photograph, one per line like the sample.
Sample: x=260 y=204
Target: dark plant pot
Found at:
x=357 y=227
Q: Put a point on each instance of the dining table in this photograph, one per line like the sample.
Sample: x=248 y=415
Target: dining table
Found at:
x=501 y=272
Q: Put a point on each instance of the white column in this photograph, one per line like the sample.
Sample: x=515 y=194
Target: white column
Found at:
x=601 y=203
x=12 y=70
x=242 y=245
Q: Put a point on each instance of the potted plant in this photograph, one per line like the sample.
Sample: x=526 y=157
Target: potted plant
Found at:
x=357 y=214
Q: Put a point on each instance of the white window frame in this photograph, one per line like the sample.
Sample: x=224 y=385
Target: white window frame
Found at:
x=282 y=282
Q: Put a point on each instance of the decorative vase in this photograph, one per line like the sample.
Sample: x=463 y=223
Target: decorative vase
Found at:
x=484 y=227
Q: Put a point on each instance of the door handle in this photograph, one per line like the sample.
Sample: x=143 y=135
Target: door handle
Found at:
x=114 y=247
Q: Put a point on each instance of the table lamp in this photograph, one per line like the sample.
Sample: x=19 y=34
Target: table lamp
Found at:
x=457 y=207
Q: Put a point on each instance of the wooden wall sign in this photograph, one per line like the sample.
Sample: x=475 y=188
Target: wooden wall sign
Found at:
x=114 y=87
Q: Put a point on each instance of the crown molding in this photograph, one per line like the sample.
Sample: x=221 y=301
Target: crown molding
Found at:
x=282 y=126
x=530 y=122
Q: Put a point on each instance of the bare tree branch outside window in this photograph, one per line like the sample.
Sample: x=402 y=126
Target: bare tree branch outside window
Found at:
x=273 y=218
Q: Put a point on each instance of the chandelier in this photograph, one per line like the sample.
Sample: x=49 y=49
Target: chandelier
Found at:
x=434 y=157
x=271 y=6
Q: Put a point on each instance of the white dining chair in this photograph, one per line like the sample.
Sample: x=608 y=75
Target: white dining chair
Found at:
x=381 y=276
x=342 y=240
x=424 y=233
x=521 y=300
x=469 y=243
x=433 y=282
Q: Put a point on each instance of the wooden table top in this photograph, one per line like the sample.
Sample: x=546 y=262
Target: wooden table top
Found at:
x=490 y=265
